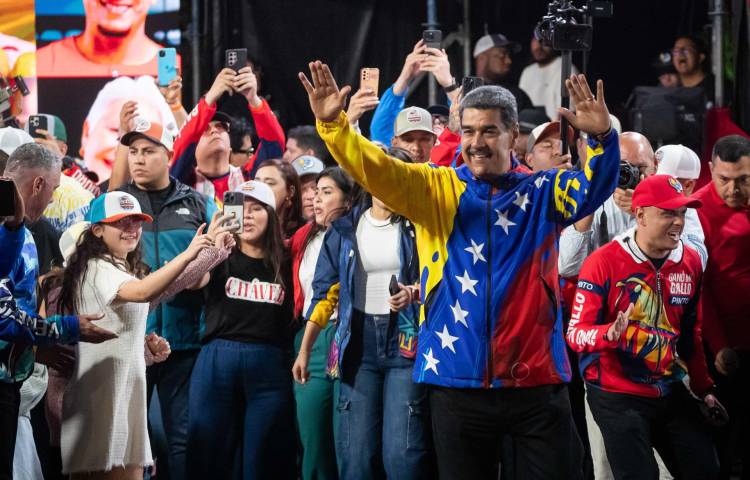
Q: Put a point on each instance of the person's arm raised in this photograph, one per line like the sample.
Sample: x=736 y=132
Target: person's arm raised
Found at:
x=577 y=194
x=412 y=190
x=120 y=170
x=153 y=285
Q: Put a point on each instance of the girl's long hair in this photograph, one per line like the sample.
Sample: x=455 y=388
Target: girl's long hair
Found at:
x=293 y=215
x=274 y=249
x=91 y=247
x=346 y=184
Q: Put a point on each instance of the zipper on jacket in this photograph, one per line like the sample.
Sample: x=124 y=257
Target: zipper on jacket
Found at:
x=488 y=290
x=661 y=306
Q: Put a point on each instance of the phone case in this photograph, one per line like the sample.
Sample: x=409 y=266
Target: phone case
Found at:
x=236 y=58
x=369 y=79
x=167 y=65
x=37 y=122
x=234 y=206
x=432 y=38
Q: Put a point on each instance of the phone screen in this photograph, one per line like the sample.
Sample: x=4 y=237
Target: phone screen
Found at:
x=7 y=199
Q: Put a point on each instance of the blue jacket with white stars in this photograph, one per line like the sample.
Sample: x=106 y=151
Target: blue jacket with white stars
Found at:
x=491 y=314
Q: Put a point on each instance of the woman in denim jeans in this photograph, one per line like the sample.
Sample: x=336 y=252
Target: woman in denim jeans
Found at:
x=382 y=414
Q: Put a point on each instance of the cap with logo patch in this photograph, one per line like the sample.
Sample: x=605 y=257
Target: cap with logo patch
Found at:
x=412 y=119
x=662 y=191
x=12 y=138
x=259 y=191
x=114 y=206
x=150 y=130
x=678 y=161
x=308 y=165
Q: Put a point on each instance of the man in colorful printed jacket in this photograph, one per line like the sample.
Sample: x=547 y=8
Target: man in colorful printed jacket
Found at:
x=635 y=319
x=490 y=340
x=202 y=149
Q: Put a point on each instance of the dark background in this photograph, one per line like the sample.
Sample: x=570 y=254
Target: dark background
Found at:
x=283 y=35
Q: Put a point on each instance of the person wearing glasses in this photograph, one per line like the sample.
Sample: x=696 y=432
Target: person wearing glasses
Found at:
x=689 y=58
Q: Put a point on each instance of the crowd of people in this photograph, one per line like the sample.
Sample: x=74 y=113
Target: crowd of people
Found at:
x=453 y=297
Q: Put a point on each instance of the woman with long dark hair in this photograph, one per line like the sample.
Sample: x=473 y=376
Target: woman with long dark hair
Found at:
x=381 y=411
x=315 y=399
x=241 y=420
x=284 y=182
x=104 y=433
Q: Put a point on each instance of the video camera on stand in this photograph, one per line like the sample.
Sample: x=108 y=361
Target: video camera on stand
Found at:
x=8 y=87
x=567 y=29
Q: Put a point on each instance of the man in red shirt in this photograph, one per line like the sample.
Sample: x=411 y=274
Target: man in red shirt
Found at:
x=202 y=150
x=635 y=320
x=725 y=218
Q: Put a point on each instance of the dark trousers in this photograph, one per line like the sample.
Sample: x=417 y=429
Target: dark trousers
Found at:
x=633 y=426
x=172 y=381
x=468 y=425
x=733 y=440
x=241 y=421
x=10 y=402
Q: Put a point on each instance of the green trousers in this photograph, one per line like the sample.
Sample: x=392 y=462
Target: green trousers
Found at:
x=316 y=401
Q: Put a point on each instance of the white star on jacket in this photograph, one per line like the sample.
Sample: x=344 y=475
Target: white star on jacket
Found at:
x=502 y=220
x=476 y=251
x=459 y=314
x=540 y=181
x=446 y=339
x=431 y=362
x=467 y=283
x=521 y=201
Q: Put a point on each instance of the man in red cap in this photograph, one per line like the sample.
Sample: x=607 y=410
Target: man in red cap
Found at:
x=635 y=321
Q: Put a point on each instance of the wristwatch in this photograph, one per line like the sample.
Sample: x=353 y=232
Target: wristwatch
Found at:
x=453 y=86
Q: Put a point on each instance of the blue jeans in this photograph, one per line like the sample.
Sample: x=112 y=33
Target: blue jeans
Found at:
x=382 y=413
x=241 y=416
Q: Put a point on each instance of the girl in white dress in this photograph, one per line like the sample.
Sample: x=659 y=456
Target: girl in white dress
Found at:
x=104 y=433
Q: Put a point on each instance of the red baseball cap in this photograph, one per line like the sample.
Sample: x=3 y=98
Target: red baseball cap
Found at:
x=662 y=191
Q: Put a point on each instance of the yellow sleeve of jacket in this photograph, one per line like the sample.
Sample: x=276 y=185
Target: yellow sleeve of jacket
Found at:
x=324 y=309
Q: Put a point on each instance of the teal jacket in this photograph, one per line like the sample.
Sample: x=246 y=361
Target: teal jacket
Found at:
x=179 y=319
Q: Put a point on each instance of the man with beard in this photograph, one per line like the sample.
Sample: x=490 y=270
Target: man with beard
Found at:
x=113 y=43
x=541 y=79
x=492 y=61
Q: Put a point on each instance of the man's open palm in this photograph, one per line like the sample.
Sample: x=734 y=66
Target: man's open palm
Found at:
x=326 y=100
x=591 y=114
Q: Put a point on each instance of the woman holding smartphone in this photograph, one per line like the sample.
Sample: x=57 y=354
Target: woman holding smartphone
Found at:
x=241 y=406
x=315 y=399
x=381 y=412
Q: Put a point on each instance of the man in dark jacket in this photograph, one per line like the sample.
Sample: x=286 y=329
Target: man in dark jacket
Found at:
x=178 y=211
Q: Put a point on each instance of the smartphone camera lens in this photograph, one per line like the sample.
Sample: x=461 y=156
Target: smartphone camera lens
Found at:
x=162 y=53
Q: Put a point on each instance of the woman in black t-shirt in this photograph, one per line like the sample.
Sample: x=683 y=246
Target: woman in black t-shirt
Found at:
x=241 y=409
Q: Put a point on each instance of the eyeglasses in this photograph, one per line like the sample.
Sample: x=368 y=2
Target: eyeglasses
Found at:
x=683 y=51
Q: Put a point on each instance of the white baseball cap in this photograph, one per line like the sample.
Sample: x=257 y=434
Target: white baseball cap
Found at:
x=152 y=131
x=495 y=40
x=412 y=119
x=308 y=165
x=69 y=239
x=259 y=191
x=678 y=161
x=12 y=138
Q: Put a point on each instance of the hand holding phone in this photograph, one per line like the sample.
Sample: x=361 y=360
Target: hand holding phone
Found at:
x=36 y=123
x=393 y=287
x=167 y=66
x=432 y=38
x=236 y=58
x=11 y=203
x=369 y=78
x=234 y=208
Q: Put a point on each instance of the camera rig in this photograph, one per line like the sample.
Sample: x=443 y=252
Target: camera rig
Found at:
x=567 y=29
x=8 y=87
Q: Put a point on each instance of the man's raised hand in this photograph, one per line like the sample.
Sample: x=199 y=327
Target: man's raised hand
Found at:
x=326 y=100
x=591 y=114
x=617 y=328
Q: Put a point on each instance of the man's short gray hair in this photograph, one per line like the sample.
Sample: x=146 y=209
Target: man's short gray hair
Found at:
x=32 y=156
x=493 y=97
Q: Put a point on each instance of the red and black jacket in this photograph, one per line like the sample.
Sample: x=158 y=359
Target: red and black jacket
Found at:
x=662 y=341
